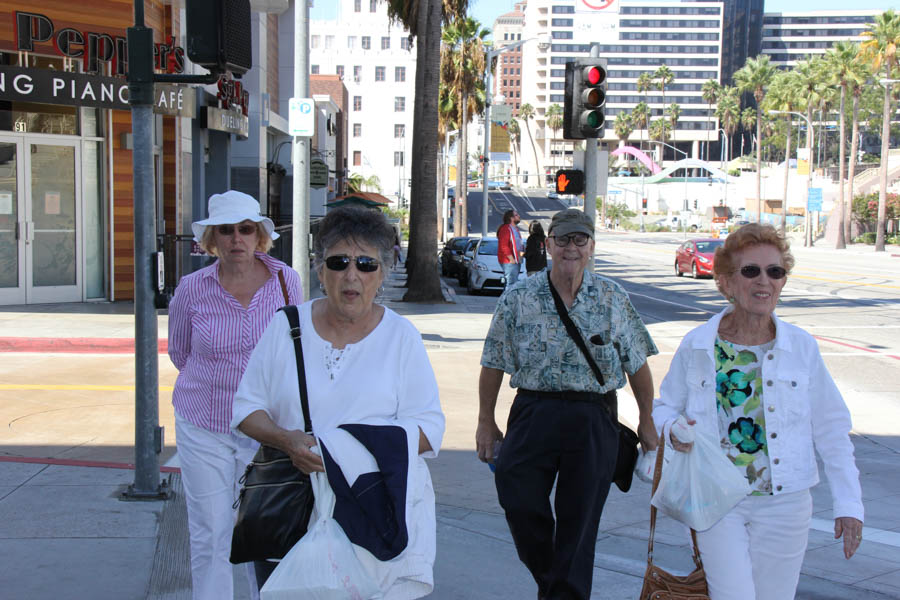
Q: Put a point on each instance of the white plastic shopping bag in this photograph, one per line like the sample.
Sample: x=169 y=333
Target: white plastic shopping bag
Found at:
x=323 y=564
x=699 y=487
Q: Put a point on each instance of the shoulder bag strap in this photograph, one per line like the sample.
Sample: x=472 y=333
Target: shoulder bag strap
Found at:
x=294 y=319
x=284 y=291
x=660 y=450
x=573 y=331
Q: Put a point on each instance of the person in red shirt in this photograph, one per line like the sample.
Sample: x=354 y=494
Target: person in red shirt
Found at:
x=509 y=251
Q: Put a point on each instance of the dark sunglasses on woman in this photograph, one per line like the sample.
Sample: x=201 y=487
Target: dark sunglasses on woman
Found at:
x=772 y=271
x=243 y=229
x=364 y=264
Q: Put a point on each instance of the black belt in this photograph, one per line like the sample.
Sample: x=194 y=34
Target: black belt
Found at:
x=608 y=398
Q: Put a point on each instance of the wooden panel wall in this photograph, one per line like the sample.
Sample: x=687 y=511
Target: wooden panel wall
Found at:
x=100 y=16
x=272 y=64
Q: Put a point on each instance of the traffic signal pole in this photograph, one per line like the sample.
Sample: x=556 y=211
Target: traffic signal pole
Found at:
x=591 y=165
x=300 y=151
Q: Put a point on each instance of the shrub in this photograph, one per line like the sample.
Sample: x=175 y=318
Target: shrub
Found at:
x=866 y=238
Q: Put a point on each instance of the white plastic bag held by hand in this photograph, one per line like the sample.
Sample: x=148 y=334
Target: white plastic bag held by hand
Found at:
x=698 y=487
x=322 y=565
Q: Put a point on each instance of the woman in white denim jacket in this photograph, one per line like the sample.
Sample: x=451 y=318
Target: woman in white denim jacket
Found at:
x=759 y=385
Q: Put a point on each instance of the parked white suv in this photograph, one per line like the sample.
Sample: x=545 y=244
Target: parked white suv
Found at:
x=485 y=272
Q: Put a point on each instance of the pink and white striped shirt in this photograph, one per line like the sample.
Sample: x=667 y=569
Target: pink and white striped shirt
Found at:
x=211 y=337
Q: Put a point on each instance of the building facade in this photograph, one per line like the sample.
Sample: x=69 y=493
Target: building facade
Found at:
x=508 y=28
x=789 y=37
x=377 y=64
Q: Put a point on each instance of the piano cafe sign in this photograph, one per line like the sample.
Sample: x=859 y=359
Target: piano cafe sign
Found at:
x=76 y=89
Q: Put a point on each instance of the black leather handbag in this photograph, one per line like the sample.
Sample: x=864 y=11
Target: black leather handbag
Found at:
x=627 y=456
x=276 y=498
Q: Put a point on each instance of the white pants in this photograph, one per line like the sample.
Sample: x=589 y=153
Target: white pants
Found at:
x=211 y=464
x=755 y=551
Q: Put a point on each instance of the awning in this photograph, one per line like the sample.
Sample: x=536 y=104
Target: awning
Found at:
x=367 y=199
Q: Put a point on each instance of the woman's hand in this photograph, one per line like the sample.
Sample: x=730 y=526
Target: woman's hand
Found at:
x=851 y=529
x=298 y=446
x=678 y=444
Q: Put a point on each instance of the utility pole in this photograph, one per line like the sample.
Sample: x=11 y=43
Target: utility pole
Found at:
x=300 y=150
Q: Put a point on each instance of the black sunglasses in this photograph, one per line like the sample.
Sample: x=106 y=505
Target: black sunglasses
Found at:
x=243 y=229
x=772 y=271
x=364 y=264
x=580 y=239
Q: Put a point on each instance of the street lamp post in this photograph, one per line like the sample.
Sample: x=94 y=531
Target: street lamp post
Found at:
x=488 y=77
x=807 y=237
x=885 y=139
x=685 y=206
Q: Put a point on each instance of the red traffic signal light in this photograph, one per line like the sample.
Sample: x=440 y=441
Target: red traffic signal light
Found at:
x=585 y=95
x=569 y=181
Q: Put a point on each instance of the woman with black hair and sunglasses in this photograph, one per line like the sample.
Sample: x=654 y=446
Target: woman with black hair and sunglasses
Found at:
x=364 y=365
x=217 y=315
x=759 y=386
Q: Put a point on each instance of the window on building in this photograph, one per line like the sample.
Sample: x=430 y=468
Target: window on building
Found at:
x=314 y=69
x=385 y=43
x=399 y=104
x=399 y=130
x=357 y=129
x=398 y=159
x=399 y=73
x=351 y=42
x=357 y=102
x=357 y=73
x=357 y=5
x=357 y=158
x=329 y=42
x=379 y=73
x=340 y=71
x=404 y=43
x=314 y=41
x=373 y=5
x=366 y=42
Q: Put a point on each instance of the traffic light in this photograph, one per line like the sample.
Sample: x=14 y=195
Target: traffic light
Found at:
x=585 y=96
x=569 y=181
x=218 y=35
x=644 y=205
x=695 y=204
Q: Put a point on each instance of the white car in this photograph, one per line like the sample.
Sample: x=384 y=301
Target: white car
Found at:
x=485 y=272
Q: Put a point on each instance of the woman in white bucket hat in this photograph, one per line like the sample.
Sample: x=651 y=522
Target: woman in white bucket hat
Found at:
x=215 y=319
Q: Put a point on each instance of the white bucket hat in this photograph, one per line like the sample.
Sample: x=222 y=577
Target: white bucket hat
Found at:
x=231 y=208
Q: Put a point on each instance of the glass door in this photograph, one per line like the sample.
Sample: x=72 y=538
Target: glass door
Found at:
x=53 y=211
x=12 y=221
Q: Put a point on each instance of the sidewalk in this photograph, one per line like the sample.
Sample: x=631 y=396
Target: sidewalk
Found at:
x=65 y=533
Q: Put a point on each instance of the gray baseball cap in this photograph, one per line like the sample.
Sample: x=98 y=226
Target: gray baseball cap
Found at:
x=569 y=221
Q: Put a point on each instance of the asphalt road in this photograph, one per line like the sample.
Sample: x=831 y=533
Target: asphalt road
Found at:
x=530 y=203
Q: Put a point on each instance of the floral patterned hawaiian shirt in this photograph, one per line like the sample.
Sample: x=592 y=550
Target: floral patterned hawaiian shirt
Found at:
x=528 y=340
x=742 y=422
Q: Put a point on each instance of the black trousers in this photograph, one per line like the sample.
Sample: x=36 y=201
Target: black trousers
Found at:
x=573 y=442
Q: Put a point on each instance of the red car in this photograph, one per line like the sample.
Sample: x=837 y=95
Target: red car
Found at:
x=696 y=257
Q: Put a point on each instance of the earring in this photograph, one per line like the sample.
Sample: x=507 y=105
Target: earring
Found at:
x=731 y=299
x=322 y=287
x=380 y=290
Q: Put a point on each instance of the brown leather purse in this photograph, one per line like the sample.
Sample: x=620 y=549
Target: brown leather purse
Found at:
x=659 y=584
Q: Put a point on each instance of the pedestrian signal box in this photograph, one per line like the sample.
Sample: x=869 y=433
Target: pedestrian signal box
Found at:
x=570 y=181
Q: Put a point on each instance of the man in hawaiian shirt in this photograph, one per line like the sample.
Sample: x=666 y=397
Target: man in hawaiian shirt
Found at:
x=562 y=426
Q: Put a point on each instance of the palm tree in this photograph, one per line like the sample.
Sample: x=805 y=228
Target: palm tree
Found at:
x=640 y=115
x=880 y=50
x=462 y=69
x=526 y=112
x=728 y=110
x=623 y=127
x=748 y=120
x=710 y=93
x=857 y=76
x=755 y=76
x=423 y=18
x=840 y=59
x=554 y=116
x=515 y=139
x=663 y=76
x=660 y=130
x=645 y=84
x=357 y=182
x=784 y=96
x=810 y=80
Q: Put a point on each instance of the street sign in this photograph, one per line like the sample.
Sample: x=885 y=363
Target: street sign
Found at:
x=301 y=117
x=501 y=113
x=614 y=192
x=318 y=173
x=814 y=199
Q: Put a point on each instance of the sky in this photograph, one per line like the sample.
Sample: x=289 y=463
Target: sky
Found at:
x=486 y=11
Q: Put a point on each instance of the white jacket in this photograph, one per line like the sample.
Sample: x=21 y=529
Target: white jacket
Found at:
x=804 y=410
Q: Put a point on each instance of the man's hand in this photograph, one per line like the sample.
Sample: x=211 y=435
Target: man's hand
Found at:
x=647 y=435
x=486 y=434
x=298 y=446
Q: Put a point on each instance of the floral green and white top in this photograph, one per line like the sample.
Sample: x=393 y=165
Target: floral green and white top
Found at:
x=742 y=422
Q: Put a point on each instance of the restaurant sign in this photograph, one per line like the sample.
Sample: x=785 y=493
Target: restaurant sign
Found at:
x=229 y=121
x=75 y=89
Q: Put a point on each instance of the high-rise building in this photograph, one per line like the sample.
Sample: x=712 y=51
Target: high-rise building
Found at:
x=378 y=65
x=788 y=37
x=508 y=75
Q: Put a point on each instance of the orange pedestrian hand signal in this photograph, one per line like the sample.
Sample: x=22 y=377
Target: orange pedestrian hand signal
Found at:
x=570 y=181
